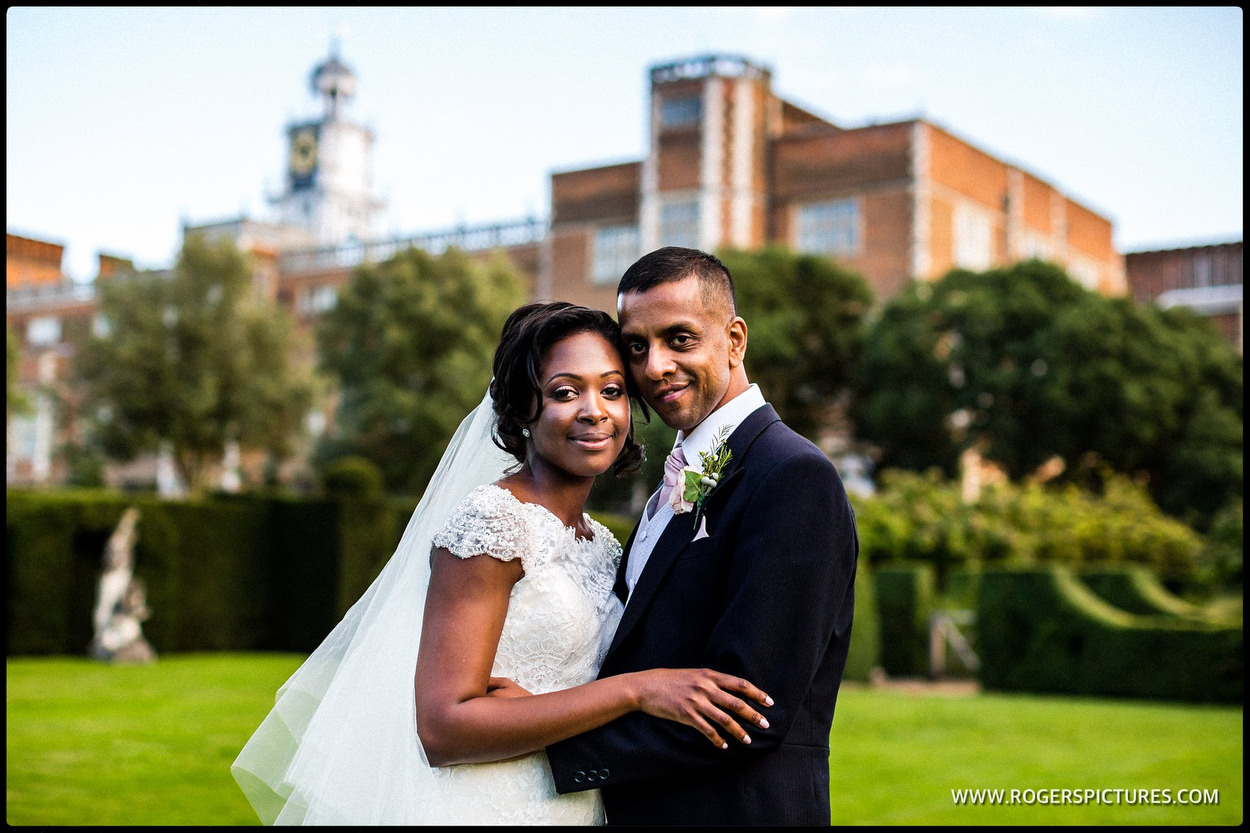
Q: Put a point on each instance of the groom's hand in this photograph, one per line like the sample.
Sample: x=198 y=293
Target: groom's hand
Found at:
x=504 y=687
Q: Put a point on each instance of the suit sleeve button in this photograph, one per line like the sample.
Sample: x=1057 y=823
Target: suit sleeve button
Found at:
x=579 y=777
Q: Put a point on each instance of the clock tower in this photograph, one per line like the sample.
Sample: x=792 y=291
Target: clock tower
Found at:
x=329 y=165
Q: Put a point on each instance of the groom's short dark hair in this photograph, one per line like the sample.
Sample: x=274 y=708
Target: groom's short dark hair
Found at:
x=674 y=263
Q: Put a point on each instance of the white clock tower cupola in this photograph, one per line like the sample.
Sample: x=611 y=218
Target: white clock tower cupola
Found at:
x=329 y=165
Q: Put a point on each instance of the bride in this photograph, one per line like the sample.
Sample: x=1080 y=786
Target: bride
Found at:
x=478 y=644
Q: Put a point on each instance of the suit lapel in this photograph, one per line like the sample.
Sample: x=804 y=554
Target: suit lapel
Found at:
x=680 y=530
x=620 y=588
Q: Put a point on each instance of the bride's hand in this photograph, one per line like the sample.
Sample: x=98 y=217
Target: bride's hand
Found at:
x=704 y=699
x=504 y=687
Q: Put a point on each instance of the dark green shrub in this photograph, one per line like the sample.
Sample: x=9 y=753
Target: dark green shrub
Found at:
x=904 y=593
x=1136 y=590
x=916 y=517
x=353 y=476
x=1221 y=562
x=237 y=572
x=864 y=654
x=369 y=531
x=1040 y=629
x=304 y=559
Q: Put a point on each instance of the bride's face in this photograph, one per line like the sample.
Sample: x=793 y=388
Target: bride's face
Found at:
x=584 y=419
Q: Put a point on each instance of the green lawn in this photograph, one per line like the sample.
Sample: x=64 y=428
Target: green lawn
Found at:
x=896 y=758
x=89 y=744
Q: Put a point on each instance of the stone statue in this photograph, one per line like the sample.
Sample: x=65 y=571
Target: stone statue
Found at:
x=121 y=605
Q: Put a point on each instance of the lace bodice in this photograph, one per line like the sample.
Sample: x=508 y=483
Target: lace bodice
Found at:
x=561 y=617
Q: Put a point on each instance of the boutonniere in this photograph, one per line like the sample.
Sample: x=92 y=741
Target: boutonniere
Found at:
x=699 y=482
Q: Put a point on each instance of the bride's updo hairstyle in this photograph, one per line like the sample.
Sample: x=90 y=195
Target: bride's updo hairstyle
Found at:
x=528 y=334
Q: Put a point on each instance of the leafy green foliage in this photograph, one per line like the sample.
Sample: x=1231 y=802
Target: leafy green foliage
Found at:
x=353 y=477
x=1222 y=562
x=804 y=316
x=191 y=359
x=16 y=401
x=1023 y=364
x=409 y=345
x=921 y=517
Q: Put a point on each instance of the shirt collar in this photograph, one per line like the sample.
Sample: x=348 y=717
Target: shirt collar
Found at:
x=730 y=415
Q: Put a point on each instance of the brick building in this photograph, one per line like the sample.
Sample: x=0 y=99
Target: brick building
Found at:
x=728 y=163
x=1205 y=278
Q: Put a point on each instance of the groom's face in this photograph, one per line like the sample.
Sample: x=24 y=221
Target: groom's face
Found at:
x=683 y=346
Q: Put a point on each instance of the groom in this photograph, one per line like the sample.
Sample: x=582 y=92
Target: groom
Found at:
x=762 y=587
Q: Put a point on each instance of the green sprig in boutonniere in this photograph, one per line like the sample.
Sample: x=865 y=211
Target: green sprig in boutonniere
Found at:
x=699 y=482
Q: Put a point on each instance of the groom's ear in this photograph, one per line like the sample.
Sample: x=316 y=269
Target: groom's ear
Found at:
x=737 y=333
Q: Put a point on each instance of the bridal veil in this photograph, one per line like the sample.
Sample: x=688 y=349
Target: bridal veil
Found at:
x=340 y=745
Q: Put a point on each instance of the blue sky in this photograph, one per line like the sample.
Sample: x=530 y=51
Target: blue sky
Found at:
x=121 y=123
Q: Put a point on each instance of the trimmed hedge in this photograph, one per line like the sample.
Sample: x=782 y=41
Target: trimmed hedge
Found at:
x=1138 y=591
x=1042 y=630
x=54 y=546
x=222 y=573
x=864 y=654
x=905 y=594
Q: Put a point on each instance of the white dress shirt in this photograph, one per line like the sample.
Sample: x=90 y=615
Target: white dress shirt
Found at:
x=701 y=439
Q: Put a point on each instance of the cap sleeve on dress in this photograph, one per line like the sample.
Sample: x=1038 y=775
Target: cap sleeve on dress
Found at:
x=487 y=522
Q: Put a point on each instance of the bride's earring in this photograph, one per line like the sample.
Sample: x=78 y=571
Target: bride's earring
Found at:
x=525 y=432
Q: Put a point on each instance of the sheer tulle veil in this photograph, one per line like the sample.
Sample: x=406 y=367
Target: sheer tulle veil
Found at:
x=340 y=745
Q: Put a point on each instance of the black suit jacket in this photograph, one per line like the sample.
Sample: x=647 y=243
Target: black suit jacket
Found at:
x=768 y=596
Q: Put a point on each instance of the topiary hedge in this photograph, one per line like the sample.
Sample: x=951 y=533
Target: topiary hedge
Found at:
x=1137 y=590
x=1040 y=629
x=905 y=598
x=864 y=654
x=250 y=572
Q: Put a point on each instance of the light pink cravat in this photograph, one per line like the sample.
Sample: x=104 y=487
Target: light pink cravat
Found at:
x=673 y=465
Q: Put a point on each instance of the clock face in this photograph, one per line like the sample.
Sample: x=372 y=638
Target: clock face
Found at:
x=303 y=153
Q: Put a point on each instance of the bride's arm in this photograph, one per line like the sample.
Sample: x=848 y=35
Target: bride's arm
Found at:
x=459 y=723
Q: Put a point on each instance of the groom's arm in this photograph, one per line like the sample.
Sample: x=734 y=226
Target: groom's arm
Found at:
x=789 y=593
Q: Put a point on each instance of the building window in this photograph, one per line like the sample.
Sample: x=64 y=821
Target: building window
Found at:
x=315 y=422
x=44 y=330
x=23 y=436
x=317 y=299
x=972 y=239
x=681 y=112
x=100 y=326
x=616 y=248
x=1038 y=247
x=830 y=228
x=679 y=224
x=1202 y=270
x=1084 y=271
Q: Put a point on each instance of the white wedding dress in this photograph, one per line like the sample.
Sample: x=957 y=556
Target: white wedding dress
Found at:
x=340 y=746
x=561 y=617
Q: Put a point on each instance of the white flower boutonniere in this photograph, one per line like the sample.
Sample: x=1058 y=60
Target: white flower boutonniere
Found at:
x=699 y=482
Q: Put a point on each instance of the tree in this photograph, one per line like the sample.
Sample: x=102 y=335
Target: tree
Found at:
x=191 y=360
x=1024 y=364
x=1156 y=392
x=804 y=317
x=16 y=402
x=409 y=344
